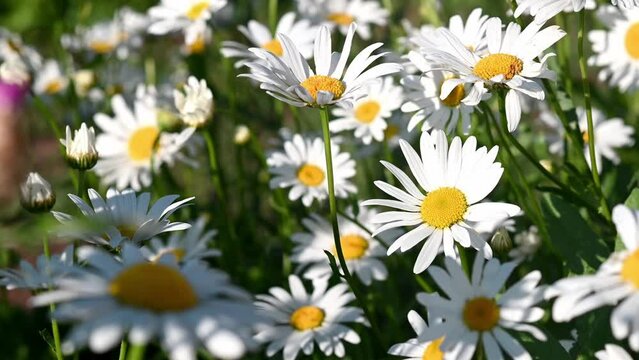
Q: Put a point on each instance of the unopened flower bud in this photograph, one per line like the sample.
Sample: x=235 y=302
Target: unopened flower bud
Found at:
x=81 y=153
x=36 y=194
x=195 y=104
x=242 y=135
x=501 y=241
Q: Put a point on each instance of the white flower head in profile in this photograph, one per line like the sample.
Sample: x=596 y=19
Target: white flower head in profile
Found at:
x=36 y=194
x=49 y=79
x=616 y=283
x=452 y=183
x=195 y=104
x=80 y=147
x=292 y=80
x=341 y=14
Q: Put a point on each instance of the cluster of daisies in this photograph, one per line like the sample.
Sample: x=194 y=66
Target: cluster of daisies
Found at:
x=127 y=279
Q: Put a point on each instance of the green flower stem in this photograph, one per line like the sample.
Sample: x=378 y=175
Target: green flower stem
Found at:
x=136 y=352
x=333 y=217
x=82 y=189
x=216 y=177
x=272 y=14
x=583 y=67
x=123 y=346
x=54 y=323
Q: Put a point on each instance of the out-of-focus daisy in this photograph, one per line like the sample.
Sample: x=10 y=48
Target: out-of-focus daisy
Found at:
x=544 y=10
x=41 y=276
x=615 y=283
x=369 y=113
x=423 y=99
x=123 y=215
x=50 y=80
x=476 y=311
x=526 y=244
x=184 y=246
x=301 y=321
x=131 y=143
x=195 y=104
x=184 y=307
x=361 y=251
x=418 y=348
x=453 y=182
x=610 y=134
x=36 y=194
x=302 y=167
x=103 y=38
x=470 y=34
x=343 y=13
x=615 y=49
x=510 y=61
x=174 y=15
x=12 y=47
x=301 y=33
x=613 y=352
x=290 y=79
x=14 y=71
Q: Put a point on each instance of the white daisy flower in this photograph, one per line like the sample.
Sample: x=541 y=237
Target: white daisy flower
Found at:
x=41 y=276
x=369 y=113
x=610 y=134
x=103 y=38
x=418 y=348
x=301 y=320
x=15 y=71
x=544 y=10
x=361 y=251
x=302 y=167
x=470 y=34
x=80 y=147
x=453 y=182
x=476 y=311
x=132 y=142
x=36 y=194
x=194 y=244
x=613 y=352
x=174 y=15
x=615 y=283
x=184 y=307
x=49 y=79
x=123 y=215
x=290 y=79
x=509 y=61
x=12 y=47
x=343 y=13
x=625 y=3
x=526 y=244
x=423 y=99
x=301 y=33
x=615 y=49
x=195 y=104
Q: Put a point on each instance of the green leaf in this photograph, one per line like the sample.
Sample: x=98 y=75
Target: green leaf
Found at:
x=333 y=263
x=633 y=200
x=572 y=237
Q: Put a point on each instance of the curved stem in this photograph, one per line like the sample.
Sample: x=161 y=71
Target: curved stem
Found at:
x=583 y=67
x=54 y=324
x=213 y=165
x=123 y=346
x=136 y=352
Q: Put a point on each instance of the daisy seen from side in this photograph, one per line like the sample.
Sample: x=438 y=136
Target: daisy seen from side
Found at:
x=453 y=181
x=342 y=13
x=302 y=321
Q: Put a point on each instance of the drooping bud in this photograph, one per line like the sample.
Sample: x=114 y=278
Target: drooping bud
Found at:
x=81 y=153
x=36 y=194
x=501 y=241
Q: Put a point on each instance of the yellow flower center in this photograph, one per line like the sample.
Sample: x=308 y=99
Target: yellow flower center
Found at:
x=432 y=351
x=498 y=64
x=317 y=83
x=53 y=87
x=455 y=97
x=179 y=254
x=197 y=10
x=391 y=131
x=310 y=175
x=128 y=230
x=444 y=207
x=353 y=246
x=585 y=136
x=155 y=287
x=198 y=46
x=340 y=18
x=307 y=318
x=632 y=41
x=142 y=143
x=630 y=269
x=101 y=47
x=367 y=111
x=481 y=314
x=275 y=47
